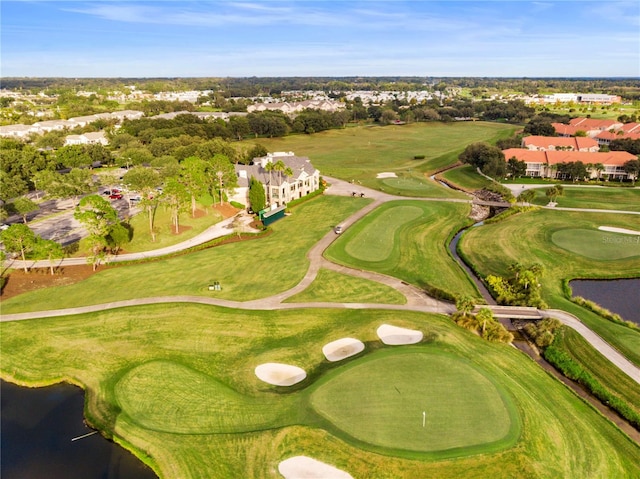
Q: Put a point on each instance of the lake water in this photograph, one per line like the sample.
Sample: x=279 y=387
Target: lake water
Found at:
x=620 y=296
x=37 y=428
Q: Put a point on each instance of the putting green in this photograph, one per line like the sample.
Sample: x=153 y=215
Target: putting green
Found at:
x=596 y=244
x=380 y=401
x=376 y=240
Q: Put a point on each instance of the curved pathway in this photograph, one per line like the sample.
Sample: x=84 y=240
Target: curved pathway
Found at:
x=417 y=300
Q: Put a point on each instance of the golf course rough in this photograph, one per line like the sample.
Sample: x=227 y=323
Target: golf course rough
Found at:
x=418 y=401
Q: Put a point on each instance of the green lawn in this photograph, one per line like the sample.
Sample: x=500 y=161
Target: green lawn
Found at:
x=330 y=286
x=408 y=240
x=176 y=384
x=165 y=234
x=360 y=153
x=246 y=270
x=531 y=237
x=596 y=244
x=605 y=198
x=466 y=177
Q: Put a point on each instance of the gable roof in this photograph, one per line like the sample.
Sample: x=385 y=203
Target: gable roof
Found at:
x=300 y=165
x=587 y=124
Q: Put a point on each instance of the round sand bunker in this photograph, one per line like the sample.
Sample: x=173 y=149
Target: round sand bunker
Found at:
x=394 y=335
x=303 y=467
x=342 y=348
x=280 y=374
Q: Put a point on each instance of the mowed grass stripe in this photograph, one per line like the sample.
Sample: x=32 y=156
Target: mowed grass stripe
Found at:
x=331 y=286
x=381 y=399
x=376 y=240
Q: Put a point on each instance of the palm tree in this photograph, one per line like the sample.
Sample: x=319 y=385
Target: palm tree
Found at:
x=269 y=167
x=220 y=174
x=599 y=167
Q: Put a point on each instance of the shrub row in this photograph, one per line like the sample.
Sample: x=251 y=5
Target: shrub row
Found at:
x=562 y=361
x=605 y=313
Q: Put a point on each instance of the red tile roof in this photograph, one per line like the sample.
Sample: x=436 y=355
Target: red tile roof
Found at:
x=587 y=124
x=612 y=158
x=547 y=142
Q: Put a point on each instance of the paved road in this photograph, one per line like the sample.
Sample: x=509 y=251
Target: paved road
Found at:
x=416 y=299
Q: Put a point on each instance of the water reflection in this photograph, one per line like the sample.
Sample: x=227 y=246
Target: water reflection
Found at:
x=38 y=426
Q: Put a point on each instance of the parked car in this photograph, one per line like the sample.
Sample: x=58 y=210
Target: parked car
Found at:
x=338 y=229
x=115 y=196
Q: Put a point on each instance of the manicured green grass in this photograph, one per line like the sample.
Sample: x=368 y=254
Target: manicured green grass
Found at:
x=394 y=240
x=376 y=240
x=360 y=153
x=158 y=378
x=596 y=244
x=527 y=238
x=330 y=286
x=601 y=368
x=246 y=270
x=610 y=198
x=460 y=406
x=466 y=177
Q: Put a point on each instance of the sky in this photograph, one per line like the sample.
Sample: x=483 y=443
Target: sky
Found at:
x=129 y=38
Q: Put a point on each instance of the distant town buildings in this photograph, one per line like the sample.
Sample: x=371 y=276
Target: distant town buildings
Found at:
x=583 y=98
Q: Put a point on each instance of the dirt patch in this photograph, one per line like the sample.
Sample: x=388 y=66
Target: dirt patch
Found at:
x=18 y=282
x=225 y=209
x=181 y=229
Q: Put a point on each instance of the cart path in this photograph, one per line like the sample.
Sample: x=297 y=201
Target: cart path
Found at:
x=417 y=300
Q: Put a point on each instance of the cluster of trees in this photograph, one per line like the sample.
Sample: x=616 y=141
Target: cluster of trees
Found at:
x=484 y=323
x=543 y=332
x=20 y=239
x=521 y=289
x=489 y=159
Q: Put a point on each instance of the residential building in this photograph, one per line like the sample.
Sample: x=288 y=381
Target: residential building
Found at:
x=18 y=131
x=590 y=126
x=627 y=131
x=546 y=143
x=279 y=188
x=294 y=107
x=544 y=163
x=97 y=137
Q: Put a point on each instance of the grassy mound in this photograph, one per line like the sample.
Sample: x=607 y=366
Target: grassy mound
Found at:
x=595 y=244
x=381 y=398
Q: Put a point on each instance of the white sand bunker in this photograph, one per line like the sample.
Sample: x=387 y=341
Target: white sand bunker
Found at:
x=613 y=229
x=386 y=174
x=394 y=335
x=280 y=374
x=303 y=467
x=342 y=348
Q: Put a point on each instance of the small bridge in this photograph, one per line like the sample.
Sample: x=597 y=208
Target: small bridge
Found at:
x=511 y=312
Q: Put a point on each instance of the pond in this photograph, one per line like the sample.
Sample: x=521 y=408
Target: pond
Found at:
x=620 y=296
x=38 y=425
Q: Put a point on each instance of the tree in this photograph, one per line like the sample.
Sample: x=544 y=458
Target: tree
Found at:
x=516 y=168
x=145 y=180
x=98 y=216
x=465 y=304
x=119 y=235
x=11 y=185
x=194 y=177
x=526 y=196
x=222 y=174
x=48 y=249
x=23 y=206
x=18 y=238
x=489 y=159
x=257 y=198
x=71 y=185
x=175 y=197
x=632 y=168
x=73 y=156
x=540 y=126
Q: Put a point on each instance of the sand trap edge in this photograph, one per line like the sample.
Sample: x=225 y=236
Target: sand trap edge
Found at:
x=303 y=467
x=279 y=374
x=395 y=336
x=342 y=348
